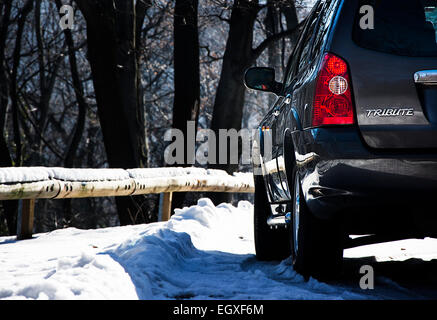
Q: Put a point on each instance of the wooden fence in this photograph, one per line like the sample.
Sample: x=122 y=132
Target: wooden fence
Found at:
x=30 y=183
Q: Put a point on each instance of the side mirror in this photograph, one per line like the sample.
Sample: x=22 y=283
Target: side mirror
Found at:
x=262 y=79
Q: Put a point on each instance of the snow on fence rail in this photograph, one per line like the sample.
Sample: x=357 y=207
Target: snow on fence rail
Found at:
x=30 y=183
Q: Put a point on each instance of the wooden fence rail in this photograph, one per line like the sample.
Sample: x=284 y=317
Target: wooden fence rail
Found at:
x=29 y=183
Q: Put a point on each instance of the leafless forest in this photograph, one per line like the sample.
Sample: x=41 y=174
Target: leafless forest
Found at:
x=104 y=92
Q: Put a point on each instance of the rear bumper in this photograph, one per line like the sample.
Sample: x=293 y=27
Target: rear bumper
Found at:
x=340 y=176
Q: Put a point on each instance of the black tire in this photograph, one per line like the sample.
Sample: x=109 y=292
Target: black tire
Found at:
x=270 y=244
x=318 y=251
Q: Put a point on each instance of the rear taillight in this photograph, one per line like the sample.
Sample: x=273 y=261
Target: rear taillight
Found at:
x=333 y=98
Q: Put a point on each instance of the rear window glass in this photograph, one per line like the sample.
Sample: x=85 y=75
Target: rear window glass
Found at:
x=401 y=27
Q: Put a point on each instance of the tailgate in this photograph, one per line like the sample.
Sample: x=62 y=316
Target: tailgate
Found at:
x=394 y=73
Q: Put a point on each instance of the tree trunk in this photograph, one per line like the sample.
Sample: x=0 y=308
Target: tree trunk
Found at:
x=272 y=24
x=290 y=14
x=112 y=53
x=239 y=55
x=4 y=88
x=230 y=95
x=10 y=207
x=46 y=86
x=229 y=100
x=79 y=93
x=292 y=21
x=14 y=74
x=76 y=137
x=186 y=76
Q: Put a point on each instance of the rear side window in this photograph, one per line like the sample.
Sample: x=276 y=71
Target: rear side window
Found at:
x=304 y=56
x=325 y=23
x=401 y=27
x=309 y=48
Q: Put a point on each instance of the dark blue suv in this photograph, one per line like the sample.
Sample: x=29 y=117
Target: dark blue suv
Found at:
x=350 y=145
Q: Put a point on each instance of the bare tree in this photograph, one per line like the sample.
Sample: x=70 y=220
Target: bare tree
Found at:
x=113 y=56
x=239 y=55
x=9 y=207
x=186 y=74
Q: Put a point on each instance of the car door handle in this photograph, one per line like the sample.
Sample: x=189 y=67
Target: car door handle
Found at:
x=426 y=77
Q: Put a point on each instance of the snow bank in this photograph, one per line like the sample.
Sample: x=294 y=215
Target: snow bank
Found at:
x=30 y=174
x=144 y=173
x=35 y=174
x=88 y=174
x=203 y=252
x=207 y=252
x=64 y=264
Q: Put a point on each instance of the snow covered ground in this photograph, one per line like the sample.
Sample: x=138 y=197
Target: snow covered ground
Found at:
x=203 y=252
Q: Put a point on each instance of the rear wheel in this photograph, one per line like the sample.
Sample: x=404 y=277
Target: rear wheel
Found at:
x=316 y=246
x=270 y=244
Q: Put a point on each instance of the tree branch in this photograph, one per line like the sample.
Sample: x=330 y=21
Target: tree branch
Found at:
x=268 y=41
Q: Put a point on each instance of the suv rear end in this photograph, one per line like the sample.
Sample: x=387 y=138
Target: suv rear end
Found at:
x=377 y=174
x=393 y=111
x=359 y=142
x=381 y=171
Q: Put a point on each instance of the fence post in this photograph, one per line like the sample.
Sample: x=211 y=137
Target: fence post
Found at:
x=26 y=209
x=165 y=206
